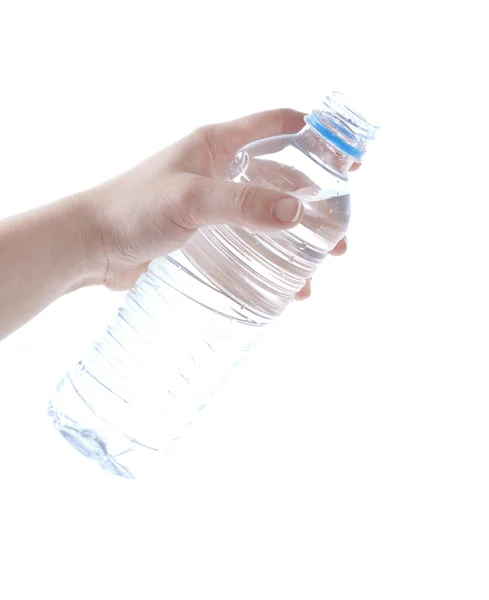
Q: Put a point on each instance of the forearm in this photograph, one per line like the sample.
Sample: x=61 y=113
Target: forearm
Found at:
x=44 y=254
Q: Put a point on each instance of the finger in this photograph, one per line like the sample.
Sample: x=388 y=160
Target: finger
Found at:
x=340 y=248
x=355 y=166
x=212 y=201
x=224 y=139
x=305 y=292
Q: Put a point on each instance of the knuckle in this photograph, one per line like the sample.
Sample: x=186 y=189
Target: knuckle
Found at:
x=199 y=135
x=245 y=199
x=203 y=137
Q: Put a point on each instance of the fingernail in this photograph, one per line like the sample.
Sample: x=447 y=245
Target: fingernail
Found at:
x=287 y=210
x=345 y=239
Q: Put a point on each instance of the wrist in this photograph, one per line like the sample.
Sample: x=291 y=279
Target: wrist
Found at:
x=89 y=265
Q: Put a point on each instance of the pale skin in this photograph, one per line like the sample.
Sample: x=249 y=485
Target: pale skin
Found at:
x=108 y=235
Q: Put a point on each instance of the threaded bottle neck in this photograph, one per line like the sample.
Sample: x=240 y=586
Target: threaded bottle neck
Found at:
x=342 y=126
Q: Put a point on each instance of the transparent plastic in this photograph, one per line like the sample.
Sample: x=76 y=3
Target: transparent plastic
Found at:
x=194 y=315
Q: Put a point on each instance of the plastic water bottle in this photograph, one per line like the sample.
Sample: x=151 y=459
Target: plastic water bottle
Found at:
x=195 y=314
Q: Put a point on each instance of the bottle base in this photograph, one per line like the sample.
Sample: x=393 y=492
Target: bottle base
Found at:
x=94 y=438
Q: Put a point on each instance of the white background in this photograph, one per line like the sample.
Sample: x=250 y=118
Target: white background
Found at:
x=350 y=457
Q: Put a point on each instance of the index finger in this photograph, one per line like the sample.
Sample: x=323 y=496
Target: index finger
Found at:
x=225 y=139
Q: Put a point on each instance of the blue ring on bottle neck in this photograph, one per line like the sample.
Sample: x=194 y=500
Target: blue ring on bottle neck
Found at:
x=321 y=128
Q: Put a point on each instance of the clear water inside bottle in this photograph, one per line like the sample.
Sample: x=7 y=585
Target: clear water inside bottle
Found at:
x=264 y=271
x=193 y=316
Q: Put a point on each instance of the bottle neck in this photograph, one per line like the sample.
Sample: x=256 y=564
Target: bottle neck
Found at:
x=324 y=152
x=335 y=135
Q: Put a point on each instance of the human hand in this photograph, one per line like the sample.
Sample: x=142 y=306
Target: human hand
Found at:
x=154 y=208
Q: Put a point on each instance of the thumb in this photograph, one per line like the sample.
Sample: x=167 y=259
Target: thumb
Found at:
x=244 y=204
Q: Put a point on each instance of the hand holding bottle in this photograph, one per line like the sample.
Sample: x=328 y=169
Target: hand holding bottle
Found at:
x=155 y=207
